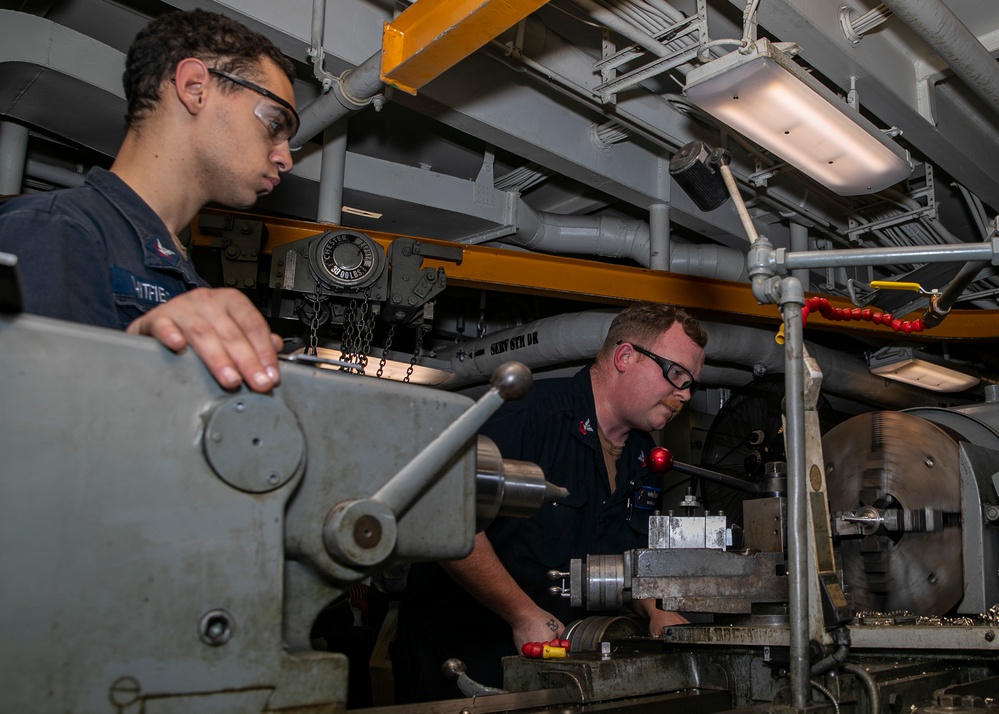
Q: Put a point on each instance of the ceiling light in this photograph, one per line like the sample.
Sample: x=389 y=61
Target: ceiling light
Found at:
x=903 y=364
x=771 y=100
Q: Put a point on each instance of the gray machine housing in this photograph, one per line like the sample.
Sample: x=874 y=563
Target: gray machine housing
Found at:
x=162 y=539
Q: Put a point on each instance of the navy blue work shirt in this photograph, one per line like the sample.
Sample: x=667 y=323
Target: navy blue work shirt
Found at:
x=95 y=254
x=555 y=427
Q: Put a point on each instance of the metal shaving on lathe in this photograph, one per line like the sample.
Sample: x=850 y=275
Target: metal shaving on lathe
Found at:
x=903 y=617
x=884 y=619
x=991 y=616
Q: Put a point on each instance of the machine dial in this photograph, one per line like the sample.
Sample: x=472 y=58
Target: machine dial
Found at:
x=347 y=260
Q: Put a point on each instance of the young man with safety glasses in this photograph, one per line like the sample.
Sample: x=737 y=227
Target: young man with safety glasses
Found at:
x=210 y=114
x=589 y=434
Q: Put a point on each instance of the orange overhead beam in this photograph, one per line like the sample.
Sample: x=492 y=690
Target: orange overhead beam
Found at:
x=431 y=36
x=570 y=278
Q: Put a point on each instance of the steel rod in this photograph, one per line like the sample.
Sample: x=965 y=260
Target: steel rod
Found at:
x=797 y=535
x=960 y=253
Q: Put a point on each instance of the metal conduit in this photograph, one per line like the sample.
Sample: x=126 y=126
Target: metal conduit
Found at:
x=942 y=30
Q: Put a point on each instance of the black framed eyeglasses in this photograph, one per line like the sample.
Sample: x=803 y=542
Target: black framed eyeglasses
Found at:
x=281 y=121
x=676 y=375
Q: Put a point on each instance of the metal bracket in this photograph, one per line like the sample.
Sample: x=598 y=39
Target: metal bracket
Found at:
x=239 y=240
x=762 y=175
x=410 y=285
x=925 y=196
x=694 y=27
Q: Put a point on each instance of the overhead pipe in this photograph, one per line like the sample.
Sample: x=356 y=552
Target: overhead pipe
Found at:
x=577 y=337
x=799 y=242
x=352 y=91
x=331 y=173
x=659 y=238
x=615 y=237
x=938 y=26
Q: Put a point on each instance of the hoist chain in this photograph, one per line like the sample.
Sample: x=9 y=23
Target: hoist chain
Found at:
x=317 y=306
x=365 y=330
x=385 y=352
x=358 y=329
x=420 y=332
x=347 y=339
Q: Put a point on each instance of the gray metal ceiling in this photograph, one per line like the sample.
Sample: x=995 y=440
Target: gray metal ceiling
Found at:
x=536 y=115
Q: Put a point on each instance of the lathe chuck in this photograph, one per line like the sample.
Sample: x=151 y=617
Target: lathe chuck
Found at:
x=906 y=471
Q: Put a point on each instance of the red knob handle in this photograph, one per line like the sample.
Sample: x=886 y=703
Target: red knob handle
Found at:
x=660 y=460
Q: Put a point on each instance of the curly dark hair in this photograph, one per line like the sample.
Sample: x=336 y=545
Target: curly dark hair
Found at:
x=219 y=41
x=644 y=322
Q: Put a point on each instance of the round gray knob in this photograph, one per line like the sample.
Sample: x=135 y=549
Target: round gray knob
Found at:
x=512 y=379
x=453 y=668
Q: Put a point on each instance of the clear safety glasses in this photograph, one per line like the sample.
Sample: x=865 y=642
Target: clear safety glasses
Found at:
x=676 y=375
x=277 y=115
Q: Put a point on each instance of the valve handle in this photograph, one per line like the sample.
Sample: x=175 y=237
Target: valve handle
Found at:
x=899 y=285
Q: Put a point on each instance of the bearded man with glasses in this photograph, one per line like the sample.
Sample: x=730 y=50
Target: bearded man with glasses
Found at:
x=210 y=113
x=590 y=434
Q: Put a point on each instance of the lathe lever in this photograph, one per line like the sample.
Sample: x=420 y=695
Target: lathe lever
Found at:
x=362 y=532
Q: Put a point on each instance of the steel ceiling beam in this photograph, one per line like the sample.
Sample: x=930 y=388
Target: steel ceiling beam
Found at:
x=432 y=36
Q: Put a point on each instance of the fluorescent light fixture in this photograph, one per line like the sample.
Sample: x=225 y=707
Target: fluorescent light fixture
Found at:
x=903 y=364
x=778 y=105
x=427 y=371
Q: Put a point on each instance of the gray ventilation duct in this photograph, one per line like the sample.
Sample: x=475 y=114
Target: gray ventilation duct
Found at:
x=956 y=45
x=577 y=337
x=40 y=59
x=615 y=237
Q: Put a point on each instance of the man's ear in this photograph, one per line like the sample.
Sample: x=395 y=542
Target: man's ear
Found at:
x=191 y=81
x=624 y=355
